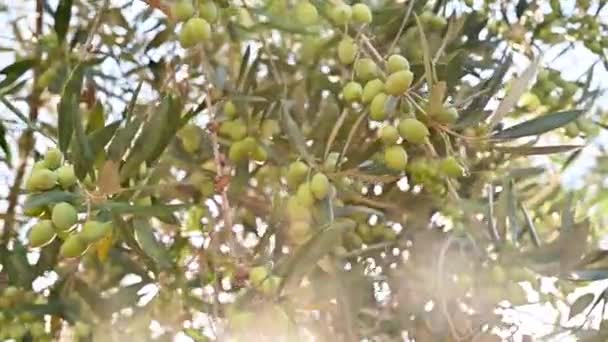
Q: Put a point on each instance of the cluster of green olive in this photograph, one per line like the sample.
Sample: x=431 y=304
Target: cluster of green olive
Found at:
x=197 y=27
x=17 y=324
x=262 y=280
x=60 y=219
x=300 y=204
x=367 y=234
x=429 y=173
x=243 y=146
x=433 y=26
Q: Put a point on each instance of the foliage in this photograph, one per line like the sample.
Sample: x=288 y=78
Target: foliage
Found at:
x=274 y=169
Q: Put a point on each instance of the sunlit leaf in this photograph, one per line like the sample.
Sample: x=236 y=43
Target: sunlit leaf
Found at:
x=539 y=125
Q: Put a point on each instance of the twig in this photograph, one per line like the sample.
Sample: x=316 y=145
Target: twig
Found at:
x=402 y=27
x=160 y=6
x=28 y=136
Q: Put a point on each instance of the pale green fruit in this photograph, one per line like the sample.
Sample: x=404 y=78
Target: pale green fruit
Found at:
x=72 y=247
x=66 y=176
x=259 y=153
x=319 y=186
x=371 y=89
x=82 y=329
x=41 y=180
x=194 y=31
x=341 y=13
x=361 y=14
x=53 y=159
x=450 y=167
x=397 y=63
x=270 y=128
x=238 y=151
x=208 y=10
x=306 y=13
x=93 y=231
x=64 y=216
x=39 y=165
x=399 y=82
x=41 y=233
x=347 y=51
x=447 y=115
x=389 y=135
x=230 y=110
x=366 y=69
x=305 y=196
x=377 y=109
x=270 y=285
x=299 y=232
x=352 y=92
x=296 y=173
x=413 y=131
x=395 y=158
x=296 y=211
x=182 y=10
x=257 y=275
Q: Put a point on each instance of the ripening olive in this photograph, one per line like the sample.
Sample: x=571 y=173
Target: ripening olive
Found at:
x=182 y=10
x=319 y=185
x=361 y=14
x=371 y=89
x=257 y=275
x=352 y=91
x=413 y=131
x=296 y=172
x=448 y=115
x=304 y=195
x=299 y=232
x=41 y=233
x=72 y=247
x=366 y=69
x=397 y=63
x=53 y=159
x=208 y=10
x=341 y=13
x=230 y=110
x=347 y=51
x=450 y=167
x=235 y=130
x=377 y=109
x=93 y=231
x=64 y=216
x=41 y=180
x=66 y=176
x=395 y=158
x=194 y=31
x=389 y=135
x=399 y=82
x=306 y=13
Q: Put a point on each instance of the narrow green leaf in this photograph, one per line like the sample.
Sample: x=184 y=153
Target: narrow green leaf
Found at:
x=537 y=150
x=51 y=197
x=68 y=107
x=99 y=138
x=539 y=125
x=429 y=73
x=129 y=109
x=4 y=145
x=96 y=118
x=155 y=210
x=589 y=275
x=123 y=139
x=62 y=18
x=296 y=138
x=144 y=234
x=14 y=71
x=580 y=304
x=82 y=156
x=530 y=225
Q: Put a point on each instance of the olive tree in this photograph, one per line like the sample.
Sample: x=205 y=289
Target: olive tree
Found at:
x=297 y=170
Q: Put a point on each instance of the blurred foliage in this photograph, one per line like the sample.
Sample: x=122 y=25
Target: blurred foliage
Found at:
x=285 y=169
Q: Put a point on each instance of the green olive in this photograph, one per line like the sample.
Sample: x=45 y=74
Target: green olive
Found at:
x=319 y=185
x=194 y=31
x=64 y=216
x=296 y=173
x=93 y=231
x=361 y=14
x=53 y=159
x=230 y=110
x=305 y=196
x=208 y=10
x=448 y=115
x=306 y=13
x=450 y=167
x=182 y=10
x=389 y=135
x=341 y=13
x=296 y=211
x=377 y=110
x=399 y=82
x=347 y=51
x=41 y=180
x=395 y=158
x=352 y=92
x=41 y=233
x=66 y=176
x=371 y=89
x=299 y=232
x=270 y=285
x=397 y=63
x=366 y=69
x=72 y=247
x=257 y=275
x=413 y=131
